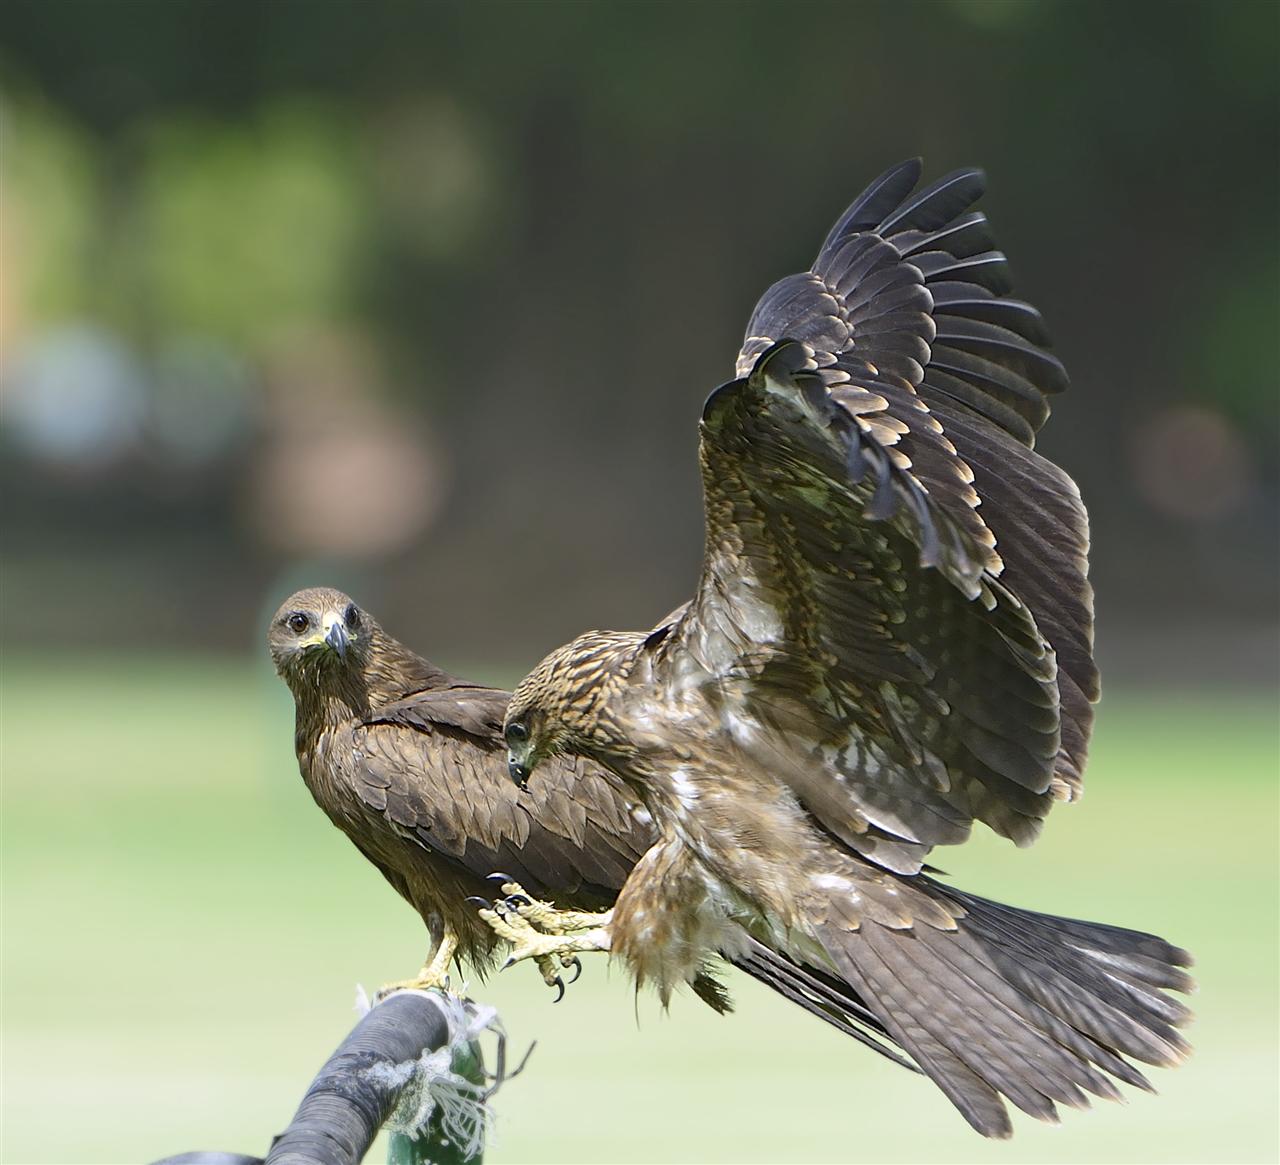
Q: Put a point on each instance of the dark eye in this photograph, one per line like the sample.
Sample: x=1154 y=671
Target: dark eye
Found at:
x=517 y=734
x=352 y=617
x=298 y=622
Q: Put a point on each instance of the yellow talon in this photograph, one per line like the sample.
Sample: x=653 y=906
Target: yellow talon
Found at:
x=434 y=972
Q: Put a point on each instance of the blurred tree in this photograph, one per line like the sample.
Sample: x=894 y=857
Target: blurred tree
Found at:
x=548 y=222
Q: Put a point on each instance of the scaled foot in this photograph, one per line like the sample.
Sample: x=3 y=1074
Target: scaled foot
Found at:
x=512 y=924
x=544 y=915
x=433 y=975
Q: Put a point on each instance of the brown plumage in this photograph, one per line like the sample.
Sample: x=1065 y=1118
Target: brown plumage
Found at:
x=409 y=762
x=891 y=639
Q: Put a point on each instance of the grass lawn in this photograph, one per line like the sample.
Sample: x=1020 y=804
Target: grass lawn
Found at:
x=183 y=931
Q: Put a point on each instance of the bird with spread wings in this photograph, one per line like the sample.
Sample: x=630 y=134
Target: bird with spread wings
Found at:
x=891 y=639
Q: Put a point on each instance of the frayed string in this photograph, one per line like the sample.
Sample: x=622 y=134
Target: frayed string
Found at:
x=429 y=1084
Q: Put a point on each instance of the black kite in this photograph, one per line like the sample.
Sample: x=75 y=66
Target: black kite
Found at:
x=891 y=639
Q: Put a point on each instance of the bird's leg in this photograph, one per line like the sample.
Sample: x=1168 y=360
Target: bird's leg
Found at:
x=434 y=972
x=544 y=915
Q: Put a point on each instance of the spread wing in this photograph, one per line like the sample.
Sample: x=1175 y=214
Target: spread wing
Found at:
x=908 y=311
x=893 y=611
x=435 y=765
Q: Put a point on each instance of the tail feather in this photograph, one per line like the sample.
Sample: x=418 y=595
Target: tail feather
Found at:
x=819 y=994
x=1147 y=957
x=1054 y=1043
x=1036 y=1009
x=977 y=1101
x=979 y=1030
x=1092 y=1004
x=1115 y=998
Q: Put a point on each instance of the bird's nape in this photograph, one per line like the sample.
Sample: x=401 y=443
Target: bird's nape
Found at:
x=561 y=705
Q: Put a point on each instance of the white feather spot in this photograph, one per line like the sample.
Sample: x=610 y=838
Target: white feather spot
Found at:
x=831 y=882
x=685 y=789
x=743 y=731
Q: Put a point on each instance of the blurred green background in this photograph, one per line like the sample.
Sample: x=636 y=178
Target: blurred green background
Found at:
x=183 y=932
x=422 y=300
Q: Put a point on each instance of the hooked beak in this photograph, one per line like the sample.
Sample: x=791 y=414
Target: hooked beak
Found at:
x=336 y=637
x=519 y=773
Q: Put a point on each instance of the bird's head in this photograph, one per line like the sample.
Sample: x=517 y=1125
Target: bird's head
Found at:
x=320 y=641
x=561 y=707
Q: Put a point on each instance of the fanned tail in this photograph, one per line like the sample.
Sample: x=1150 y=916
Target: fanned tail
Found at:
x=1037 y=1009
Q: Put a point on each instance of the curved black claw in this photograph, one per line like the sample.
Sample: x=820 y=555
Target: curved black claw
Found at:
x=476 y=900
x=558 y=984
x=576 y=964
x=499 y=878
x=515 y=901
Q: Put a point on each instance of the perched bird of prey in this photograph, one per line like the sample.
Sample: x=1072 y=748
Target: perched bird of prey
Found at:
x=891 y=639
x=409 y=762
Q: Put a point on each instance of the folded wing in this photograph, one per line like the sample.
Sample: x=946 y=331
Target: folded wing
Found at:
x=434 y=765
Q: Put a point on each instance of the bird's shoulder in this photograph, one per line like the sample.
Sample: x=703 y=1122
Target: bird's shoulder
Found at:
x=473 y=710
